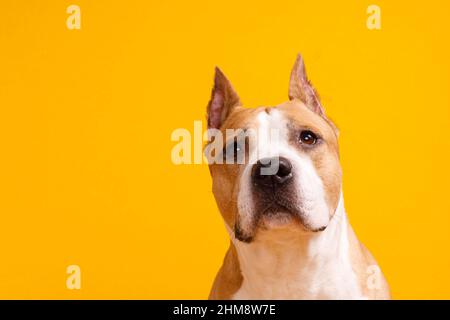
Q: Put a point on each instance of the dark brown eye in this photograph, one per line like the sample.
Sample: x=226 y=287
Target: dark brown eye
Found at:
x=308 y=137
x=233 y=153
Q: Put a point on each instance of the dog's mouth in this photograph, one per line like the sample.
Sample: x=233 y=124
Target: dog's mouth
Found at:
x=276 y=205
x=270 y=214
x=278 y=213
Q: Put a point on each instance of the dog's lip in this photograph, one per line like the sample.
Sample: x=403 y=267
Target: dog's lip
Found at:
x=275 y=207
x=319 y=229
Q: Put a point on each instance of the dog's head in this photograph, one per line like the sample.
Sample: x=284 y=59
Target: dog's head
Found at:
x=280 y=165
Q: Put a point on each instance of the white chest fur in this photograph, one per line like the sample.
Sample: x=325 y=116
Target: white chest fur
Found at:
x=303 y=267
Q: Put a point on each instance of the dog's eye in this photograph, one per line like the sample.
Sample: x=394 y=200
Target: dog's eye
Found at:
x=233 y=153
x=308 y=137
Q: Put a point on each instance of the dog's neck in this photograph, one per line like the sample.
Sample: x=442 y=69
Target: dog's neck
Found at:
x=293 y=262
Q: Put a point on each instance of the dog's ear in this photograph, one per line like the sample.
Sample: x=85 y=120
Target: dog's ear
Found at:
x=300 y=88
x=223 y=100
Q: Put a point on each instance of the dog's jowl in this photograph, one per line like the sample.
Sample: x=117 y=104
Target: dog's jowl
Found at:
x=282 y=202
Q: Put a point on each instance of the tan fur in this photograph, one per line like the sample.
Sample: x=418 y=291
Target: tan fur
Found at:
x=327 y=163
x=229 y=277
x=224 y=185
x=362 y=259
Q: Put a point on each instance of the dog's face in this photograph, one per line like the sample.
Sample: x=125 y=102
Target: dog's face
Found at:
x=281 y=164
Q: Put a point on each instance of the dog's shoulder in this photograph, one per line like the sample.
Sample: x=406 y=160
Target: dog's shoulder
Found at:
x=229 y=278
x=372 y=281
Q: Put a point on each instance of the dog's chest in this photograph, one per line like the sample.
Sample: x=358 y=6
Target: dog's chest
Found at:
x=330 y=280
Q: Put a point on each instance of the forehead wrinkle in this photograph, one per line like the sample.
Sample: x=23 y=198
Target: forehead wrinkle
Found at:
x=293 y=125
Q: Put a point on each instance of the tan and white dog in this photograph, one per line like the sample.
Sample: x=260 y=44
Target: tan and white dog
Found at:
x=290 y=236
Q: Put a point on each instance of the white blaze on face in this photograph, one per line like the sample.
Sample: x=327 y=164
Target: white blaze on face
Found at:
x=273 y=141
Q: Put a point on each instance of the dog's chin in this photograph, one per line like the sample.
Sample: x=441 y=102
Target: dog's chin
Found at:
x=278 y=220
x=283 y=226
x=269 y=222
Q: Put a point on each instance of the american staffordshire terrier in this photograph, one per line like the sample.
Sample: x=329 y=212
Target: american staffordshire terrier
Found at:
x=290 y=235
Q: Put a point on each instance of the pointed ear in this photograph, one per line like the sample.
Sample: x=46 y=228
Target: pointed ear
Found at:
x=300 y=88
x=223 y=100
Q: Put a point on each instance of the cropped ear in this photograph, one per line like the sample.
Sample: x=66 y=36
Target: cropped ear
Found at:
x=223 y=100
x=300 y=88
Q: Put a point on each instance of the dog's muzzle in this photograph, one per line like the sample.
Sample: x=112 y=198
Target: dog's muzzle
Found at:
x=273 y=187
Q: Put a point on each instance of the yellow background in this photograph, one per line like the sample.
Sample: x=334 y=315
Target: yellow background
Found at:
x=86 y=117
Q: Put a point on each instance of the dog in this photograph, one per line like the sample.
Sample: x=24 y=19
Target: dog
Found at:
x=290 y=235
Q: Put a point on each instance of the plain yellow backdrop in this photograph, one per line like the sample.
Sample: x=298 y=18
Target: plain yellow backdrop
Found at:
x=86 y=117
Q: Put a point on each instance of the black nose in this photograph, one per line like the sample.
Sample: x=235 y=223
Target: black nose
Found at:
x=271 y=171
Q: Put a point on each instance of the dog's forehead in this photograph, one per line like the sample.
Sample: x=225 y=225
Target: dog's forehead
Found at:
x=292 y=113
